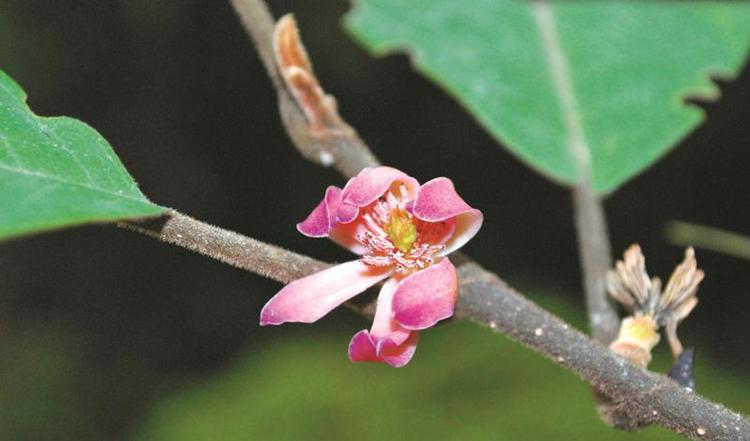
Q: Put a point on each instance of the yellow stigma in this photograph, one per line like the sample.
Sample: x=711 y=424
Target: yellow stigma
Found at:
x=401 y=230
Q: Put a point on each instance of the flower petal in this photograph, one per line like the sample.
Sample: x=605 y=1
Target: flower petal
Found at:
x=467 y=226
x=383 y=325
x=437 y=201
x=427 y=296
x=346 y=213
x=322 y=219
x=399 y=355
x=308 y=299
x=324 y=222
x=387 y=341
x=372 y=182
x=363 y=347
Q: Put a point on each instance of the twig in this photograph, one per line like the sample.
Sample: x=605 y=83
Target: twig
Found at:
x=636 y=394
x=243 y=252
x=629 y=394
x=709 y=238
x=484 y=298
x=591 y=227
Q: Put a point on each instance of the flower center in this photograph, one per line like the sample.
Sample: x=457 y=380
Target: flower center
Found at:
x=394 y=237
x=401 y=230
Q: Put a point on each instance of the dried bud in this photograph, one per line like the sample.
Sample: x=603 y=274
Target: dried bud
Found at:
x=630 y=284
x=295 y=69
x=679 y=298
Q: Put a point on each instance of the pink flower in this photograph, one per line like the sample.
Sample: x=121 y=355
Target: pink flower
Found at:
x=402 y=232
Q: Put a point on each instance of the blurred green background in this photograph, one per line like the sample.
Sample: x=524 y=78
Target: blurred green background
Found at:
x=107 y=335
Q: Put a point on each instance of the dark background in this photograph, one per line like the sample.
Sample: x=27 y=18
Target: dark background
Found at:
x=176 y=88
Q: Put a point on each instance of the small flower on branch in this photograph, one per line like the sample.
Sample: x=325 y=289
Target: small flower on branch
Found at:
x=403 y=232
x=651 y=308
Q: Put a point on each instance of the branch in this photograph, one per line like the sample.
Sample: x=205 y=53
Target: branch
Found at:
x=484 y=298
x=242 y=252
x=320 y=134
x=635 y=393
x=337 y=144
x=234 y=249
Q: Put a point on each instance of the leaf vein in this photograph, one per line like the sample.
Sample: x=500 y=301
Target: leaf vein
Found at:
x=576 y=143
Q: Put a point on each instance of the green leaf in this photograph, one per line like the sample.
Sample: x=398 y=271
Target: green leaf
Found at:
x=57 y=172
x=572 y=88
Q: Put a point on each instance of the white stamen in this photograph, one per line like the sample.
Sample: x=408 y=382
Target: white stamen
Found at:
x=404 y=192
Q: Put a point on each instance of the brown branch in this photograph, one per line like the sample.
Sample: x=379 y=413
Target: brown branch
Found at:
x=312 y=121
x=339 y=144
x=484 y=298
x=638 y=395
x=234 y=249
x=226 y=246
